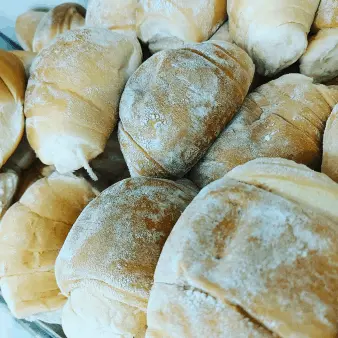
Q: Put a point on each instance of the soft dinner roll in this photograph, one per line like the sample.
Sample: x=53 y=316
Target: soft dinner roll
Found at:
x=175 y=105
x=26 y=59
x=31 y=234
x=273 y=32
x=9 y=181
x=25 y=27
x=61 y=18
x=321 y=58
x=107 y=263
x=73 y=95
x=114 y=15
x=166 y=24
x=283 y=118
x=12 y=92
x=254 y=259
x=330 y=146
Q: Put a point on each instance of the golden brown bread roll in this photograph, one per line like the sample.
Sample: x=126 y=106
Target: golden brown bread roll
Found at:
x=25 y=27
x=273 y=32
x=107 y=263
x=283 y=118
x=12 y=92
x=58 y=20
x=26 y=59
x=73 y=94
x=251 y=260
x=166 y=24
x=166 y=123
x=31 y=234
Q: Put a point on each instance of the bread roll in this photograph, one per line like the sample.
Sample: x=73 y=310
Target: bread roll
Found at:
x=321 y=58
x=165 y=24
x=273 y=32
x=283 y=118
x=330 y=146
x=58 y=20
x=9 y=181
x=26 y=59
x=25 y=27
x=73 y=95
x=12 y=92
x=107 y=263
x=222 y=34
x=166 y=123
x=248 y=261
x=31 y=234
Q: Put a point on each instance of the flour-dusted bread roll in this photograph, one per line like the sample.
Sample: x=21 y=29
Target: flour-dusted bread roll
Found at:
x=31 y=234
x=283 y=118
x=73 y=94
x=25 y=27
x=177 y=102
x=58 y=20
x=273 y=32
x=12 y=92
x=26 y=59
x=9 y=181
x=107 y=263
x=320 y=60
x=253 y=259
x=330 y=146
x=165 y=24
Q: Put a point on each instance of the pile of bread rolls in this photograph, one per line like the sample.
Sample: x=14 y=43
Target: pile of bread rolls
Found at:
x=168 y=169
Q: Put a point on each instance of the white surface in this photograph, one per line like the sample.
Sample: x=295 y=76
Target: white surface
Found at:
x=10 y=9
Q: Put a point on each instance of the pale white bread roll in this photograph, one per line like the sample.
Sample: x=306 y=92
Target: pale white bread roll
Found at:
x=284 y=118
x=273 y=32
x=166 y=124
x=114 y=15
x=58 y=20
x=12 y=92
x=250 y=260
x=164 y=24
x=330 y=146
x=31 y=234
x=9 y=181
x=222 y=34
x=25 y=27
x=107 y=263
x=26 y=58
x=73 y=94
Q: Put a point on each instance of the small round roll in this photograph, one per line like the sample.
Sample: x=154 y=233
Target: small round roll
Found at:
x=169 y=24
x=107 y=263
x=175 y=105
x=253 y=256
x=58 y=20
x=31 y=234
x=73 y=94
x=12 y=92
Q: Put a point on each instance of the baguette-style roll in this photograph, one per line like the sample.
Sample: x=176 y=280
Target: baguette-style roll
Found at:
x=283 y=118
x=58 y=20
x=254 y=259
x=106 y=266
x=12 y=92
x=167 y=24
x=330 y=146
x=73 y=94
x=273 y=32
x=9 y=181
x=175 y=105
x=26 y=59
x=25 y=27
x=320 y=60
x=31 y=234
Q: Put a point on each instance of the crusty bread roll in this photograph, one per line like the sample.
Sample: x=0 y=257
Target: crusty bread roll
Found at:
x=222 y=34
x=61 y=18
x=273 y=32
x=166 y=24
x=251 y=259
x=31 y=234
x=283 y=118
x=9 y=181
x=177 y=102
x=25 y=27
x=330 y=146
x=73 y=95
x=12 y=92
x=320 y=60
x=107 y=263
x=26 y=59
